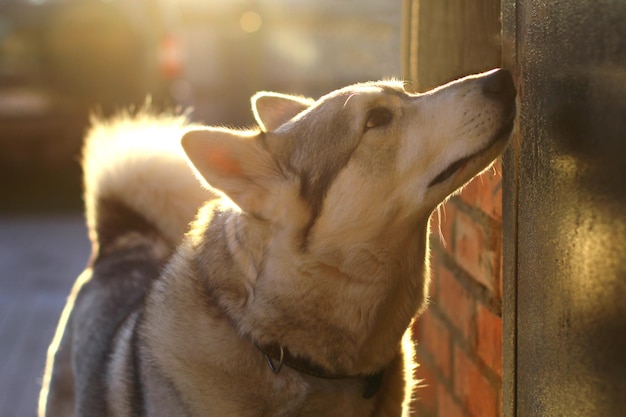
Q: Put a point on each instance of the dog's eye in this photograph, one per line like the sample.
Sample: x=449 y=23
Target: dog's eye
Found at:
x=380 y=116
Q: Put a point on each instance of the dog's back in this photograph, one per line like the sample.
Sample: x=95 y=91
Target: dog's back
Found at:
x=140 y=196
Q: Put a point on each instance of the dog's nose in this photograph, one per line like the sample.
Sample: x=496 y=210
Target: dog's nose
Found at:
x=499 y=85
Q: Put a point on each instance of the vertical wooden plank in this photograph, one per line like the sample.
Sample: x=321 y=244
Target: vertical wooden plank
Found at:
x=455 y=38
x=410 y=27
x=510 y=186
x=571 y=222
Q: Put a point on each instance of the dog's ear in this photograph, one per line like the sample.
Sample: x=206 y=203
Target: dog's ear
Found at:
x=234 y=163
x=271 y=110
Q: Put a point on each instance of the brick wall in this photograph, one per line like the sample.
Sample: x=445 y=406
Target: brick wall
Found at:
x=460 y=335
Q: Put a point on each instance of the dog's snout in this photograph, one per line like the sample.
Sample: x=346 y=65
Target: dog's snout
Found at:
x=499 y=85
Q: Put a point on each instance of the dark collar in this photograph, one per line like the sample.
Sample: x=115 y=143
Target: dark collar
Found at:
x=277 y=353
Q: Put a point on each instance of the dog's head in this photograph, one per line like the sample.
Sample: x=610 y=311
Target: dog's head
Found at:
x=336 y=195
x=365 y=161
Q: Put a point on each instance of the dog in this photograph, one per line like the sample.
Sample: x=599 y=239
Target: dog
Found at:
x=266 y=272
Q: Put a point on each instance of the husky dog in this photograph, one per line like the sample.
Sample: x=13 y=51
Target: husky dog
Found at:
x=293 y=290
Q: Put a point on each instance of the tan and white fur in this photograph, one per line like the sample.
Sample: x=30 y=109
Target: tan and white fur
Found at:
x=313 y=238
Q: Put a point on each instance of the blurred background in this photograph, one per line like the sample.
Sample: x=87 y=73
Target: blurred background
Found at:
x=61 y=60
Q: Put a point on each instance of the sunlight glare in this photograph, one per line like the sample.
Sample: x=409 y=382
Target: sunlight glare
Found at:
x=250 y=21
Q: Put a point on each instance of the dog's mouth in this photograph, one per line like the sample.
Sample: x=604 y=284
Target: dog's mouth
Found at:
x=502 y=134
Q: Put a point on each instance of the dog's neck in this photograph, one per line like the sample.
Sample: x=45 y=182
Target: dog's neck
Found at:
x=345 y=324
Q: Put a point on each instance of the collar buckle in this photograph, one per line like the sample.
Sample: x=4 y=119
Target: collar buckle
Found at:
x=281 y=360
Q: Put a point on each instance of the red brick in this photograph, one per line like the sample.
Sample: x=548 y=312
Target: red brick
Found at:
x=489 y=338
x=485 y=192
x=435 y=337
x=455 y=302
x=426 y=394
x=446 y=405
x=474 y=390
x=477 y=250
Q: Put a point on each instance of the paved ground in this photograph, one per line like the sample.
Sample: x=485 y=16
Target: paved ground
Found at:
x=40 y=256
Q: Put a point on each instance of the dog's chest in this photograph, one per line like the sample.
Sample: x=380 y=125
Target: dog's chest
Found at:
x=309 y=402
x=215 y=371
x=331 y=404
